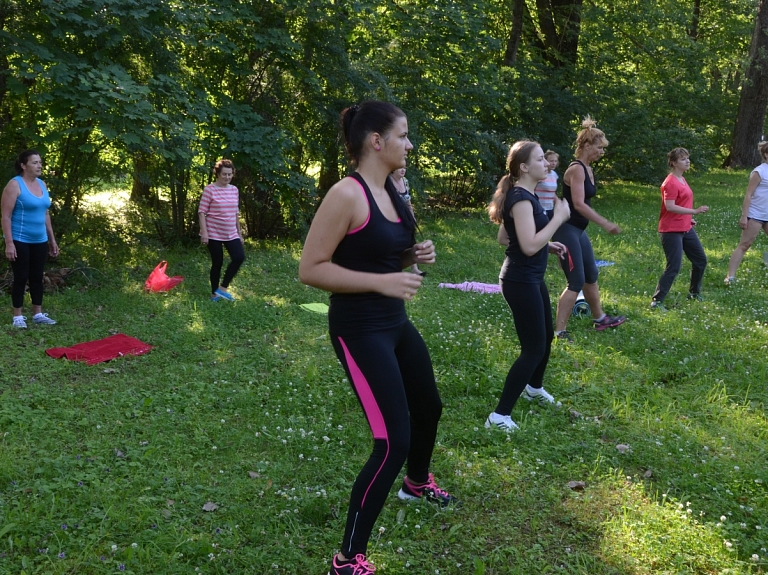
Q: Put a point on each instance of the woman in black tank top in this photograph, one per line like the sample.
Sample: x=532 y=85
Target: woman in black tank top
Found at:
x=359 y=243
x=580 y=268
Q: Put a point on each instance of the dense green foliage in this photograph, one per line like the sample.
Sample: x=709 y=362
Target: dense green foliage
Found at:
x=109 y=467
x=157 y=91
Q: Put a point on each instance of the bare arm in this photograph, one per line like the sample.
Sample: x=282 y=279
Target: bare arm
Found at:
x=754 y=181
x=502 y=236
x=7 y=204
x=575 y=177
x=343 y=209
x=203 y=228
x=675 y=209
x=53 y=247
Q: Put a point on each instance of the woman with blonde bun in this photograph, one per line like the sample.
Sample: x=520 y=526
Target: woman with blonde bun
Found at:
x=579 y=187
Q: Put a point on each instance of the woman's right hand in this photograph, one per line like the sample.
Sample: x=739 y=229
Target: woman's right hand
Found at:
x=611 y=228
x=743 y=221
x=10 y=251
x=400 y=285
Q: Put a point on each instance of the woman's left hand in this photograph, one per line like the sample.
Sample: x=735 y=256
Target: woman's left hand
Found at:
x=53 y=249
x=424 y=252
x=558 y=248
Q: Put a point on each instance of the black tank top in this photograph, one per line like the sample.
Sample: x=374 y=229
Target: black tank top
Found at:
x=375 y=247
x=519 y=267
x=590 y=190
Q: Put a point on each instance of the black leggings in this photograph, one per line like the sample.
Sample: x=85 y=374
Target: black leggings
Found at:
x=391 y=374
x=236 y=255
x=533 y=321
x=28 y=267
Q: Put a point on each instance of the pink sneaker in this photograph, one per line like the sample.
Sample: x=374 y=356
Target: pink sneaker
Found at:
x=609 y=321
x=358 y=565
x=429 y=491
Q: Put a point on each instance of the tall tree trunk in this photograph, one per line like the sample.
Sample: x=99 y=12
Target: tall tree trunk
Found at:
x=513 y=43
x=754 y=98
x=5 y=113
x=693 y=30
x=141 y=190
x=560 y=25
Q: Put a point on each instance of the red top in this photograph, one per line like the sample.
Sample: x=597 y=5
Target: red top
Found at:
x=682 y=195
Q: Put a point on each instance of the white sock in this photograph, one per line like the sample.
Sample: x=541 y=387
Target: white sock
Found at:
x=601 y=318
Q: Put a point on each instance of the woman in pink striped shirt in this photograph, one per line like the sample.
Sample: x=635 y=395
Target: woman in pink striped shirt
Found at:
x=220 y=228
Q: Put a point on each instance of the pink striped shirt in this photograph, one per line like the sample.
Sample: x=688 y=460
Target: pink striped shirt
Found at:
x=220 y=206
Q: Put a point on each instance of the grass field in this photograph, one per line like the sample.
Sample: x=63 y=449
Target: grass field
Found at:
x=113 y=468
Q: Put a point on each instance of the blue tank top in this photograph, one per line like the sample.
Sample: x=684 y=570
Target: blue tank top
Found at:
x=517 y=266
x=28 y=217
x=590 y=191
x=375 y=247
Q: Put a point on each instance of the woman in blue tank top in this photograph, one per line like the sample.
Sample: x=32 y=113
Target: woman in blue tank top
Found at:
x=359 y=243
x=28 y=235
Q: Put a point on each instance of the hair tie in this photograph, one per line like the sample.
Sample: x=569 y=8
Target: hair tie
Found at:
x=354 y=108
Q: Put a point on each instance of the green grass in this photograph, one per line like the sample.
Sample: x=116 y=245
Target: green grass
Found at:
x=244 y=405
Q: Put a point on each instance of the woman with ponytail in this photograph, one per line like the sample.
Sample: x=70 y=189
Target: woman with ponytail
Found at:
x=525 y=229
x=359 y=243
x=579 y=187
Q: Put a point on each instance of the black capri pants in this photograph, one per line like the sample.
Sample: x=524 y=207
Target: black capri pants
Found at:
x=237 y=257
x=579 y=264
x=28 y=268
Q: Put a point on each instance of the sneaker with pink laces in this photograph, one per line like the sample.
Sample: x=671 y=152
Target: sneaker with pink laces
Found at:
x=609 y=321
x=358 y=565
x=429 y=491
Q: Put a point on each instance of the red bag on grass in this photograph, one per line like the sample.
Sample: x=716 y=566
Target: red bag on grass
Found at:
x=159 y=281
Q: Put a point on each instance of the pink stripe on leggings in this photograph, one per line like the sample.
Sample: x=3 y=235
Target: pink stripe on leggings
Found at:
x=370 y=407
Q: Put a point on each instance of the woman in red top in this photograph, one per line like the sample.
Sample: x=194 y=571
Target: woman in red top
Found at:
x=676 y=229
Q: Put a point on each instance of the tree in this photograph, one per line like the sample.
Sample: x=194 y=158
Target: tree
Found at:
x=754 y=97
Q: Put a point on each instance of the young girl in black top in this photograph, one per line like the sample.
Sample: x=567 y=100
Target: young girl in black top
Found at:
x=360 y=240
x=525 y=230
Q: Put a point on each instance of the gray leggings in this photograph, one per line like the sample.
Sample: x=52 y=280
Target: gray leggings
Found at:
x=675 y=244
x=579 y=263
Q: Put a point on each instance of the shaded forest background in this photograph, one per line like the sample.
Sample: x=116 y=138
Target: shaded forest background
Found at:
x=148 y=94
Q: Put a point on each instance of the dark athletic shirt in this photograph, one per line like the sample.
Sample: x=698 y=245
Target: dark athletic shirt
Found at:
x=590 y=190
x=519 y=267
x=375 y=247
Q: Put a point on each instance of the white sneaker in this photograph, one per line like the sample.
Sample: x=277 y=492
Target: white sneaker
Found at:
x=42 y=318
x=540 y=394
x=20 y=321
x=503 y=422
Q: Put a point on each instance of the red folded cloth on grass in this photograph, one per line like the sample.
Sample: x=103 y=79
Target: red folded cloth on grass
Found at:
x=101 y=350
